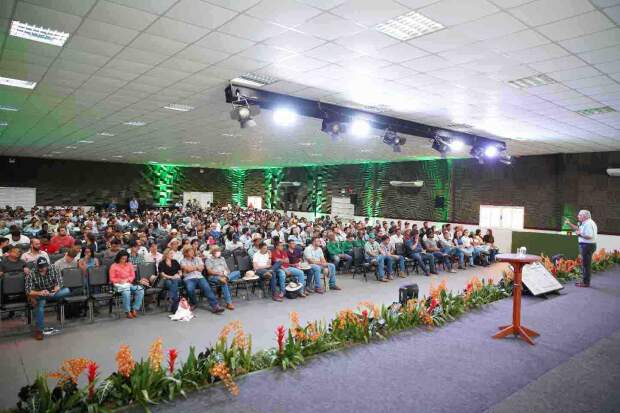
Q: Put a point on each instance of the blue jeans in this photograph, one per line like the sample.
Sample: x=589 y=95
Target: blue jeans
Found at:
x=173 y=292
x=401 y=263
x=295 y=272
x=456 y=252
x=315 y=271
x=421 y=259
x=41 y=301
x=214 y=279
x=381 y=261
x=201 y=283
x=348 y=260
x=586 y=250
x=138 y=292
x=331 y=273
x=439 y=256
x=277 y=278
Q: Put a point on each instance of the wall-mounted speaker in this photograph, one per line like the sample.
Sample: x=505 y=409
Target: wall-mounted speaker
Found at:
x=440 y=201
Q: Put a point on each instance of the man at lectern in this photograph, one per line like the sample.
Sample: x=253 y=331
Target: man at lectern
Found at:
x=586 y=231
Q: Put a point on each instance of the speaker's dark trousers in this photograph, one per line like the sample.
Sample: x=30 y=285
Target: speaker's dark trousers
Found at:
x=586 y=250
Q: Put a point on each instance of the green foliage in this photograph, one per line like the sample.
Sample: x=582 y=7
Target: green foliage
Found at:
x=291 y=355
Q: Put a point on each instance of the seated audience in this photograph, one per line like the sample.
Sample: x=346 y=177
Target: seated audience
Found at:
x=336 y=252
x=60 y=240
x=34 y=252
x=373 y=255
x=88 y=259
x=280 y=255
x=12 y=262
x=268 y=271
x=169 y=271
x=387 y=250
x=220 y=275
x=192 y=268
x=17 y=238
x=313 y=254
x=416 y=252
x=431 y=247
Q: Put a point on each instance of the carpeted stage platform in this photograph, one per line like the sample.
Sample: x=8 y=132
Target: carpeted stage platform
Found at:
x=574 y=367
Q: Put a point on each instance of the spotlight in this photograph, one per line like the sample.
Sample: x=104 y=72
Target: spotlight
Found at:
x=456 y=145
x=505 y=158
x=360 y=127
x=476 y=152
x=244 y=114
x=491 y=151
x=333 y=127
x=284 y=116
x=391 y=138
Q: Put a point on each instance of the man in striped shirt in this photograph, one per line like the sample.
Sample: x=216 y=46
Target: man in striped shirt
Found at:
x=42 y=285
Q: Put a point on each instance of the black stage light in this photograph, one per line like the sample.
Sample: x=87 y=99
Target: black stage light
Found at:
x=391 y=138
x=441 y=146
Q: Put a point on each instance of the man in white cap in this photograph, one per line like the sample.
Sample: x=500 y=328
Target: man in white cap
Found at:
x=587 y=232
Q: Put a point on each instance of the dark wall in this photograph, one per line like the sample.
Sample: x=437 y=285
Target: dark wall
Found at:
x=549 y=187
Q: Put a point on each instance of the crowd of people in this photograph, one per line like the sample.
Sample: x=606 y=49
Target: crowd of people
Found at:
x=188 y=246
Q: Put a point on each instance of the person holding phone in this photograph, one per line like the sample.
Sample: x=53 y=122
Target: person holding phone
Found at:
x=587 y=232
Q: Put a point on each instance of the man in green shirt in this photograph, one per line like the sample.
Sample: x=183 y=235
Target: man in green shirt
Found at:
x=337 y=252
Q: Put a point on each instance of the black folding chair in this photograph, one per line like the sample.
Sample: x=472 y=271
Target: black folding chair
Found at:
x=147 y=270
x=13 y=294
x=244 y=264
x=360 y=266
x=399 y=249
x=73 y=279
x=99 y=288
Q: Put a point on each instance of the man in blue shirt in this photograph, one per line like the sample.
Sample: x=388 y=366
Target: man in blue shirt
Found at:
x=587 y=232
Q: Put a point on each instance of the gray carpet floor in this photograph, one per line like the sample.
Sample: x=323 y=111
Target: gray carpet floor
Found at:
x=574 y=366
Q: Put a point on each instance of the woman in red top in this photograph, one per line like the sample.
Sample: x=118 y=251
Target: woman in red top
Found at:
x=122 y=275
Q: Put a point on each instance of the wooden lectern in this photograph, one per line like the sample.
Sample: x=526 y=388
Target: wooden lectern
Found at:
x=517 y=261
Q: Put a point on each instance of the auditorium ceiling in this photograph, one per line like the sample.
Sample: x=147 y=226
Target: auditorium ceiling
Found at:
x=543 y=76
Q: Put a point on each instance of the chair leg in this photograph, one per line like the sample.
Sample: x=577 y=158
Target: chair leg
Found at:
x=62 y=315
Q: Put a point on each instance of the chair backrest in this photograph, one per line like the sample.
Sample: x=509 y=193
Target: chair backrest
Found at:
x=63 y=250
x=239 y=252
x=399 y=248
x=244 y=263
x=230 y=261
x=227 y=253
x=107 y=261
x=55 y=257
x=99 y=256
x=24 y=247
x=72 y=278
x=358 y=256
x=97 y=276
x=14 y=283
x=146 y=269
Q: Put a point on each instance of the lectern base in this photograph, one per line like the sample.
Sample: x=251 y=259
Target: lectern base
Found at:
x=523 y=332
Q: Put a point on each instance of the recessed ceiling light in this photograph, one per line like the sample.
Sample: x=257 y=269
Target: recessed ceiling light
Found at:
x=253 y=80
x=408 y=26
x=192 y=142
x=106 y=134
x=596 y=111
x=56 y=152
x=162 y=148
x=376 y=109
x=103 y=159
x=225 y=153
x=47 y=155
x=194 y=156
x=314 y=154
x=24 y=84
x=117 y=156
x=179 y=108
x=307 y=144
x=3 y=124
x=70 y=147
x=531 y=81
x=86 y=142
x=135 y=123
x=138 y=153
x=229 y=134
x=8 y=108
x=365 y=150
x=38 y=34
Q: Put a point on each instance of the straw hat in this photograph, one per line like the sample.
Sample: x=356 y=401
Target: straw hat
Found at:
x=250 y=276
x=293 y=286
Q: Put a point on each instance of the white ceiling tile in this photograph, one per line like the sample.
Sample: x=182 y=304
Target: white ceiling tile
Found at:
x=237 y=5
x=509 y=3
x=93 y=46
x=77 y=8
x=285 y=12
x=6 y=8
x=604 y=55
x=224 y=42
x=301 y=63
x=395 y=72
x=524 y=39
x=536 y=54
x=546 y=11
x=241 y=64
x=121 y=16
x=605 y=3
x=428 y=63
x=369 y=12
x=416 y=4
x=366 y=42
x=200 y=13
x=560 y=63
x=442 y=40
x=609 y=67
x=490 y=27
x=252 y=29
x=589 y=81
x=593 y=41
x=127 y=66
x=42 y=16
x=398 y=53
x=295 y=41
x=97 y=30
x=451 y=12
x=576 y=26
x=613 y=13
x=157 y=44
x=332 y=52
x=267 y=53
x=151 y=6
x=284 y=87
x=141 y=56
x=185 y=65
x=329 y=27
x=572 y=74
x=176 y=30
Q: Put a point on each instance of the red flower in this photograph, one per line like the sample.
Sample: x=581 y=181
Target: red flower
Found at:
x=92 y=375
x=172 y=356
x=433 y=305
x=280 y=335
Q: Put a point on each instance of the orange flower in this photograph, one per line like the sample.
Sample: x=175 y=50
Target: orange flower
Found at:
x=221 y=371
x=70 y=370
x=228 y=328
x=156 y=354
x=436 y=292
x=369 y=305
x=313 y=332
x=124 y=361
x=294 y=319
